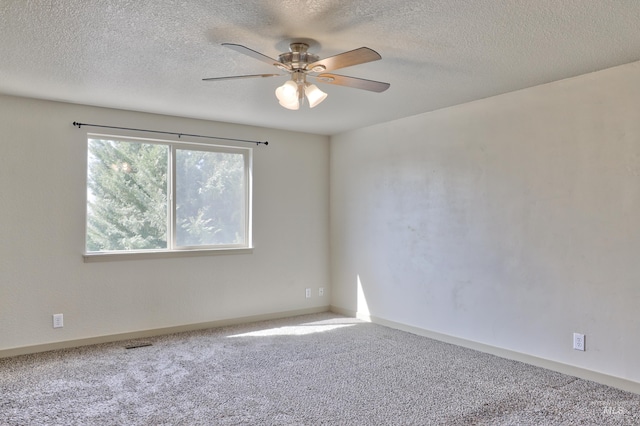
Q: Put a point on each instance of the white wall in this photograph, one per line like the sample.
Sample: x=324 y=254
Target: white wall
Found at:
x=513 y=221
x=42 y=196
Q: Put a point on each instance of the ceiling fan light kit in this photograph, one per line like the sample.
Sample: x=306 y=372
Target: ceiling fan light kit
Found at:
x=292 y=93
x=301 y=65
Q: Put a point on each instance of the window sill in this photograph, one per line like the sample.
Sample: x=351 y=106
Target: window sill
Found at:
x=160 y=254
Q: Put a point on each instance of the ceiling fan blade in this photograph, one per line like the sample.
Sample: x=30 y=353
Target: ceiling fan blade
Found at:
x=356 y=83
x=256 y=55
x=238 y=77
x=346 y=59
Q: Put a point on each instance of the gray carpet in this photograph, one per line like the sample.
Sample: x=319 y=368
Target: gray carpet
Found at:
x=321 y=369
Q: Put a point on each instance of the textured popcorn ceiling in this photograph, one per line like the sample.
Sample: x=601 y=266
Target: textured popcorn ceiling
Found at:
x=150 y=55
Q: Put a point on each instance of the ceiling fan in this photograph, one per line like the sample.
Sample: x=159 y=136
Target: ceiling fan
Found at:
x=303 y=66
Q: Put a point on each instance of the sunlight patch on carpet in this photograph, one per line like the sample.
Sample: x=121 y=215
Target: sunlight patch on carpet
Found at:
x=298 y=330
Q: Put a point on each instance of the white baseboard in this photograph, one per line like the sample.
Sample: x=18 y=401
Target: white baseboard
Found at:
x=342 y=311
x=582 y=373
x=602 y=378
x=156 y=332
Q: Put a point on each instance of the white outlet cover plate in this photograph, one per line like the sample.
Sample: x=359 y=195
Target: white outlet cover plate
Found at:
x=578 y=341
x=58 y=321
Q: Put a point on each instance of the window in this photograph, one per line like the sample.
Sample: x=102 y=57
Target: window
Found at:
x=145 y=195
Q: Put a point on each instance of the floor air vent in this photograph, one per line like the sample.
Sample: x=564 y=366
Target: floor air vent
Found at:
x=137 y=345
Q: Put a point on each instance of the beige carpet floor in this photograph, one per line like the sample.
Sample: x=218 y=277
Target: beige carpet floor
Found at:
x=321 y=369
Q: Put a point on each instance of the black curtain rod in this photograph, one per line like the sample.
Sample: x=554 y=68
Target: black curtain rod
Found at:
x=79 y=125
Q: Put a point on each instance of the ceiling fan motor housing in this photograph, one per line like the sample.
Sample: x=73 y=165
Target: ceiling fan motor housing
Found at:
x=298 y=58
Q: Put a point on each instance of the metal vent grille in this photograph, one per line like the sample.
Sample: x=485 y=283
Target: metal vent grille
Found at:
x=137 y=345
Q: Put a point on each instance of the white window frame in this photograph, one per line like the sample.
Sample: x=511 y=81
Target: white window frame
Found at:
x=172 y=249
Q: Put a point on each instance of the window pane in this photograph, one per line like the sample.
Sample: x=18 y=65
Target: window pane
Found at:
x=210 y=198
x=126 y=195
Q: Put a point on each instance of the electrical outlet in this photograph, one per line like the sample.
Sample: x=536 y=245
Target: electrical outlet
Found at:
x=58 y=321
x=321 y=291
x=308 y=293
x=578 y=341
